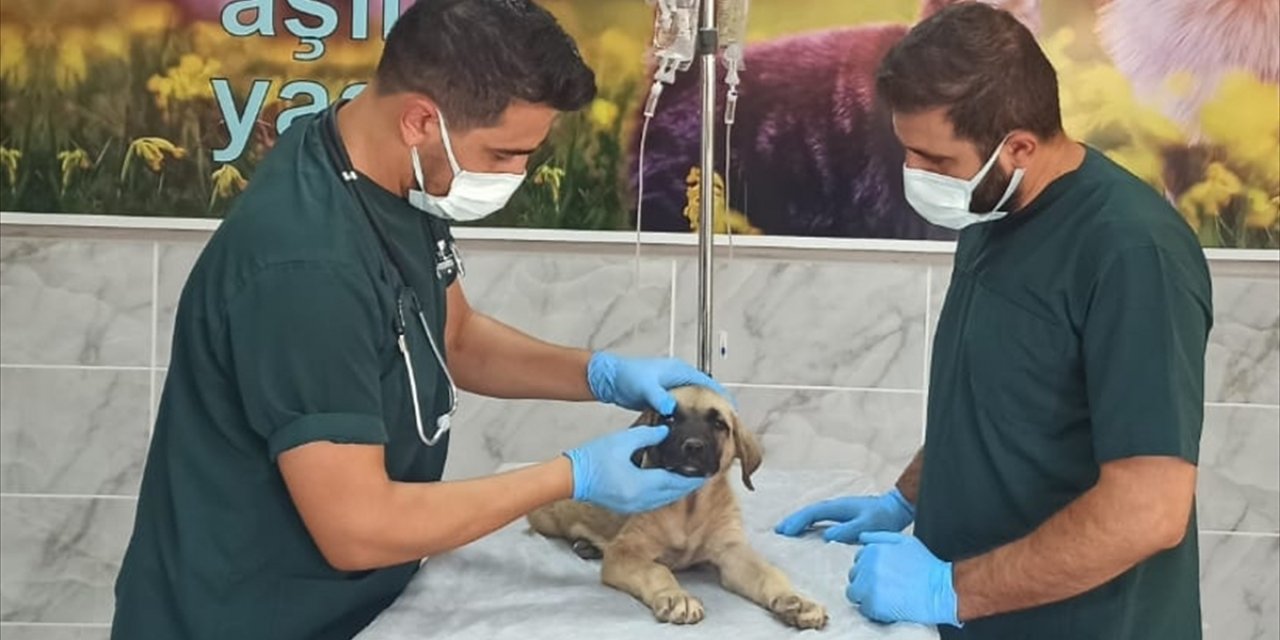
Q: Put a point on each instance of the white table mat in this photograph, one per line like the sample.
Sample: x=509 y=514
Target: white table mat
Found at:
x=516 y=585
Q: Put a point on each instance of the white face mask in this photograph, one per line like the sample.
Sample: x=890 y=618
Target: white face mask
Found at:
x=945 y=201
x=472 y=196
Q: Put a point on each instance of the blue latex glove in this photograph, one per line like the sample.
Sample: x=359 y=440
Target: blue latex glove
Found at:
x=896 y=579
x=603 y=473
x=642 y=383
x=856 y=515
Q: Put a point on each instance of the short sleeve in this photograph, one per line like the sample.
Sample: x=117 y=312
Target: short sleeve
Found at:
x=1144 y=353
x=303 y=341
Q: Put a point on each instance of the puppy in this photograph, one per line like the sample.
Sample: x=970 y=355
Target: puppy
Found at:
x=641 y=551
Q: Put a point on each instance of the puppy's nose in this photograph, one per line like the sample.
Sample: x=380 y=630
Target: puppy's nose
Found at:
x=693 y=446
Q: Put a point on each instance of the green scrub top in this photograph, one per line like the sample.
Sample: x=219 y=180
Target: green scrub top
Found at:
x=1073 y=334
x=283 y=336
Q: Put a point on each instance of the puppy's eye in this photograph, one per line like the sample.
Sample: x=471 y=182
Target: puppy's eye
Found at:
x=717 y=421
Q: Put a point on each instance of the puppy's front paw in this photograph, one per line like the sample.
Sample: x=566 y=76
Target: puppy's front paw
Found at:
x=799 y=612
x=677 y=607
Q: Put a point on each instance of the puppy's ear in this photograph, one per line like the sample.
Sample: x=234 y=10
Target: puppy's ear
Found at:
x=746 y=449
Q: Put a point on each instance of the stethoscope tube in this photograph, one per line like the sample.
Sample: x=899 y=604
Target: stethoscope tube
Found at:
x=337 y=155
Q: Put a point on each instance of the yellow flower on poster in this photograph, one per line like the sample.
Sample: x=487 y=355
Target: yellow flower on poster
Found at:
x=71 y=67
x=111 y=43
x=1243 y=119
x=150 y=18
x=1261 y=212
x=14 y=68
x=616 y=52
x=1207 y=198
x=153 y=151
x=603 y=114
x=187 y=81
x=551 y=177
x=72 y=160
x=227 y=182
x=9 y=161
x=726 y=220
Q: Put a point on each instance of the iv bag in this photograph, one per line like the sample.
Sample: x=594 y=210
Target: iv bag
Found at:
x=675 y=29
x=731 y=21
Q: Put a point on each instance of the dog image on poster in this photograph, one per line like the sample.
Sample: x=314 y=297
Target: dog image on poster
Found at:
x=813 y=152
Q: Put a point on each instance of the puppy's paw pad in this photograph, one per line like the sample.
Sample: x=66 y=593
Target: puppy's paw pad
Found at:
x=799 y=612
x=677 y=607
x=586 y=550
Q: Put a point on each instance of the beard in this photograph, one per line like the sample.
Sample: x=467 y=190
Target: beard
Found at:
x=990 y=190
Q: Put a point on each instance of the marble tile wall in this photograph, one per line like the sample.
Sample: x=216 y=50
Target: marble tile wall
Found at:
x=813 y=324
x=827 y=357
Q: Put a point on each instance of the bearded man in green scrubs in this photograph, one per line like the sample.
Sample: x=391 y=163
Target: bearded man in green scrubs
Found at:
x=1054 y=495
x=291 y=486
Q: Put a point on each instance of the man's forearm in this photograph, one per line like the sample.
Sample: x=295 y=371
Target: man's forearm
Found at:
x=909 y=482
x=1104 y=533
x=496 y=360
x=416 y=520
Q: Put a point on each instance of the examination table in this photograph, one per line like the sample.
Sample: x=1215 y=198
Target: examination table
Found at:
x=516 y=585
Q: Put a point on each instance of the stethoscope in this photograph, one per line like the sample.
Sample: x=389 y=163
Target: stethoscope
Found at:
x=448 y=265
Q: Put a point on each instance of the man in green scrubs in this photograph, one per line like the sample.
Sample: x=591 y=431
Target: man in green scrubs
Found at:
x=1054 y=495
x=291 y=486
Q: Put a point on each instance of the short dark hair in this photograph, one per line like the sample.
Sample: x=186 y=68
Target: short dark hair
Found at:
x=981 y=64
x=475 y=57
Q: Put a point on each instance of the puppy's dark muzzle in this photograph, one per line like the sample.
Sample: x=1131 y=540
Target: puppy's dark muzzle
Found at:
x=692 y=457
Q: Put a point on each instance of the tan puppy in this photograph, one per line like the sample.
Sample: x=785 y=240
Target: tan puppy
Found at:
x=641 y=551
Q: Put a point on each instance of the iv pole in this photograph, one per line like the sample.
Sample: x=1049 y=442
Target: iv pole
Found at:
x=707 y=44
x=680 y=37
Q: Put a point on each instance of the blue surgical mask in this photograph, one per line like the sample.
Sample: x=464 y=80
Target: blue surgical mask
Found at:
x=946 y=201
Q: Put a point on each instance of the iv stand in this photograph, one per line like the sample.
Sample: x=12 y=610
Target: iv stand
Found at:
x=707 y=44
